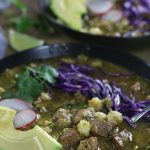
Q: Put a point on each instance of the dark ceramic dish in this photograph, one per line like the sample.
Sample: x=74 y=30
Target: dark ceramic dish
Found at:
x=119 y=42
x=54 y=50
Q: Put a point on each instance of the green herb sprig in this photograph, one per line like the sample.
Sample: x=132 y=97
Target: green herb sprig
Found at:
x=25 y=22
x=32 y=82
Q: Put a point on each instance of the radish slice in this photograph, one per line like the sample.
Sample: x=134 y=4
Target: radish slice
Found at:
x=24 y=119
x=99 y=7
x=16 y=104
x=113 y=15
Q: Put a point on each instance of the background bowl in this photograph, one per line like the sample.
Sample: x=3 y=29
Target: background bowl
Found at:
x=118 y=42
x=73 y=49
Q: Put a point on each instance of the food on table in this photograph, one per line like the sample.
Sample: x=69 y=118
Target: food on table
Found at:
x=120 y=18
x=73 y=103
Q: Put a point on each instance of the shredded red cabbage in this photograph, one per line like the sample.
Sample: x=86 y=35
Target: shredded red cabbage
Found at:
x=137 y=11
x=75 y=78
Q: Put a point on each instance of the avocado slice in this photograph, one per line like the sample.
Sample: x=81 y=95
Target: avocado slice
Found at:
x=8 y=144
x=12 y=139
x=69 y=11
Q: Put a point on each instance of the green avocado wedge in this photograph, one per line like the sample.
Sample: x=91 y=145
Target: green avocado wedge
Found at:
x=69 y=11
x=12 y=139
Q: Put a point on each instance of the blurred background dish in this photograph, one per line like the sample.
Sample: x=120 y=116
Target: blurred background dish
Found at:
x=113 y=25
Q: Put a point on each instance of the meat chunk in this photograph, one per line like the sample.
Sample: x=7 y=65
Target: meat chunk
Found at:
x=89 y=144
x=81 y=114
x=121 y=139
x=78 y=116
x=62 y=118
x=70 y=138
x=100 y=127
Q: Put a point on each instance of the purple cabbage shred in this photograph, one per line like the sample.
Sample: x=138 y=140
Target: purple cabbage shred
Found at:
x=137 y=12
x=75 y=78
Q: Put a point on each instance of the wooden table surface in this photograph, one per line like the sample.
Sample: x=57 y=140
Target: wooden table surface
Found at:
x=61 y=37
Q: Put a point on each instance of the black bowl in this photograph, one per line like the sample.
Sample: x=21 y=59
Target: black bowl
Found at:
x=72 y=49
x=118 y=42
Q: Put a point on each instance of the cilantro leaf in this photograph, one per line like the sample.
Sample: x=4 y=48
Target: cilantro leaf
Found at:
x=31 y=83
x=20 y=5
x=27 y=88
x=45 y=73
x=24 y=22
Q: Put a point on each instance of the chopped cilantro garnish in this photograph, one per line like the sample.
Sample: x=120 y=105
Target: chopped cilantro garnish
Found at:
x=31 y=83
x=45 y=73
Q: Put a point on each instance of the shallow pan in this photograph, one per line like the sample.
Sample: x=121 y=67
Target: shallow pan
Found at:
x=118 y=42
x=72 y=49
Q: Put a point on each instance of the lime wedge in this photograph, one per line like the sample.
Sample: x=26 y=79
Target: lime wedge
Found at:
x=21 y=42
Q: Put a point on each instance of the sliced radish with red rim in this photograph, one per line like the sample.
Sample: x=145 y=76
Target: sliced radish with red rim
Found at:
x=113 y=15
x=24 y=119
x=99 y=7
x=16 y=104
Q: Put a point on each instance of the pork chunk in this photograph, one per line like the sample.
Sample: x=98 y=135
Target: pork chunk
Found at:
x=70 y=138
x=81 y=114
x=89 y=144
x=100 y=127
x=121 y=139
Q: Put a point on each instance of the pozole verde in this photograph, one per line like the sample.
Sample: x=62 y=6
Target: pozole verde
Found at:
x=83 y=103
x=118 y=18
